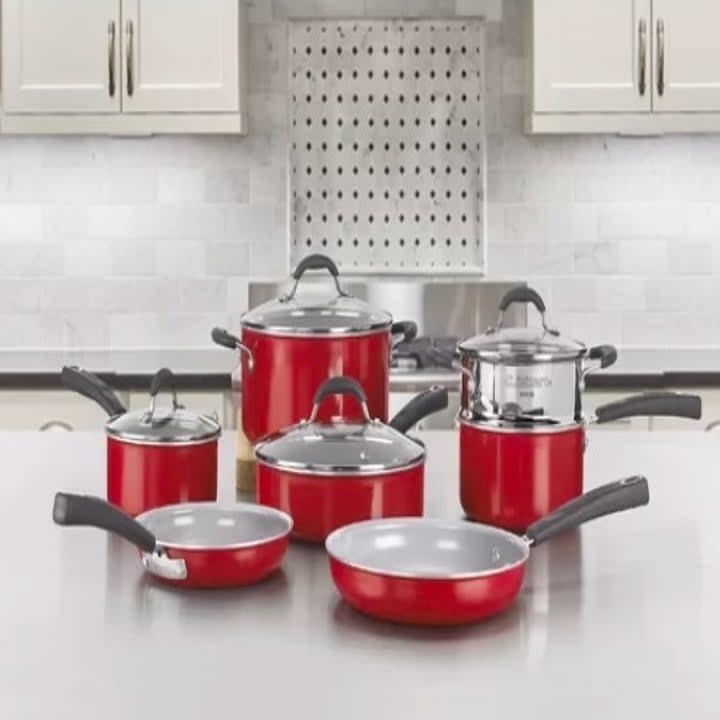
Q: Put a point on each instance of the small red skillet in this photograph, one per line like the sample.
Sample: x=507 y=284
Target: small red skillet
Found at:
x=198 y=545
x=424 y=571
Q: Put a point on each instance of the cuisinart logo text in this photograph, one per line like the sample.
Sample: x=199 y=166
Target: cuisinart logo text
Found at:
x=528 y=382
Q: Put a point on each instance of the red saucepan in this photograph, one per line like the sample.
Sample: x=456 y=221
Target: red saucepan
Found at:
x=329 y=474
x=450 y=572
x=515 y=471
x=290 y=345
x=154 y=457
x=199 y=545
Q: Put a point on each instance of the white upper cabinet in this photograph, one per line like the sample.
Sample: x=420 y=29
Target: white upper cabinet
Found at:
x=123 y=66
x=591 y=56
x=181 y=56
x=687 y=55
x=626 y=66
x=60 y=57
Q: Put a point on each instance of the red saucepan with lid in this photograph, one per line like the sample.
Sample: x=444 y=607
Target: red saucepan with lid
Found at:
x=290 y=345
x=425 y=571
x=198 y=545
x=331 y=473
x=158 y=456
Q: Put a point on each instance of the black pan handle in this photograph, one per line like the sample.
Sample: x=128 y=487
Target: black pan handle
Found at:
x=424 y=404
x=524 y=295
x=163 y=378
x=669 y=404
x=92 y=387
x=606 y=354
x=91 y=511
x=403 y=331
x=316 y=261
x=340 y=386
x=222 y=337
x=614 y=497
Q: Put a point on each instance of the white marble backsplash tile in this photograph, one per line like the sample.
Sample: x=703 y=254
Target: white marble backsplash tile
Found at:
x=143 y=242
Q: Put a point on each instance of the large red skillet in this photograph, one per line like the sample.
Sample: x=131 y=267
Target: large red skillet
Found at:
x=198 y=545
x=450 y=572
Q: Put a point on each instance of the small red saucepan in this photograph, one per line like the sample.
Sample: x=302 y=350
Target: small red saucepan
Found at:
x=198 y=545
x=332 y=473
x=156 y=456
x=450 y=572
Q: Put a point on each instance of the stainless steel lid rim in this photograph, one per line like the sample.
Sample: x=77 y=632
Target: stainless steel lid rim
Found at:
x=519 y=359
x=332 y=472
x=316 y=334
x=128 y=440
x=507 y=427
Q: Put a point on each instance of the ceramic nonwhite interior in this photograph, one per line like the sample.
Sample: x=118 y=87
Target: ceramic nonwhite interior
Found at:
x=210 y=526
x=427 y=548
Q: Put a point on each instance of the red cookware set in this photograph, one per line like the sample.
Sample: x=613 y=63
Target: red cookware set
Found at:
x=332 y=469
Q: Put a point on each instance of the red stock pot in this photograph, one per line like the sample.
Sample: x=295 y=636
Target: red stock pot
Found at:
x=154 y=457
x=522 y=428
x=289 y=346
x=329 y=474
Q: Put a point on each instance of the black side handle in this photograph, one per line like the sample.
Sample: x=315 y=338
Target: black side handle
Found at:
x=424 y=404
x=316 y=261
x=91 y=511
x=607 y=499
x=669 y=404
x=403 y=331
x=222 y=337
x=524 y=295
x=163 y=378
x=606 y=354
x=92 y=387
x=340 y=386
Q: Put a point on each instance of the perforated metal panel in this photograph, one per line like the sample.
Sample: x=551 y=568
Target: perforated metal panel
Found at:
x=387 y=154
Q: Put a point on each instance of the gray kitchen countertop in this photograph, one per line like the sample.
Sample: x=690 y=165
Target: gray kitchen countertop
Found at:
x=618 y=620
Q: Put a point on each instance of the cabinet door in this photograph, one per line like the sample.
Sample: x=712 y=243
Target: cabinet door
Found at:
x=591 y=56
x=60 y=57
x=181 y=56
x=687 y=55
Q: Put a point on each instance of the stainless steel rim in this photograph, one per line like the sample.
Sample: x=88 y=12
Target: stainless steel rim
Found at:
x=332 y=471
x=261 y=510
x=319 y=334
x=164 y=444
x=497 y=358
x=336 y=536
x=528 y=428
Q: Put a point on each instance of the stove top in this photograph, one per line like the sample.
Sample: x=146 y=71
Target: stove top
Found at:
x=425 y=353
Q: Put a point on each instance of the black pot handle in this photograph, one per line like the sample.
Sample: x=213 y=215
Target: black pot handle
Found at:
x=424 y=404
x=669 y=404
x=316 y=261
x=92 y=387
x=521 y=294
x=340 y=386
x=403 y=331
x=222 y=337
x=614 y=497
x=163 y=378
x=606 y=354
x=91 y=511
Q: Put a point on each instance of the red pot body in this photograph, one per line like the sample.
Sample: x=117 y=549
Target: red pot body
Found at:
x=278 y=392
x=143 y=477
x=512 y=479
x=228 y=568
x=319 y=504
x=427 y=602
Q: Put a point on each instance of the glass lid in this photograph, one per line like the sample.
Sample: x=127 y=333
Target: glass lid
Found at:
x=314 y=313
x=522 y=344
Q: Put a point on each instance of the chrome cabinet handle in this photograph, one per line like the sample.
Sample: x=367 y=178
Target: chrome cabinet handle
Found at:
x=642 y=55
x=129 y=29
x=660 y=57
x=111 y=58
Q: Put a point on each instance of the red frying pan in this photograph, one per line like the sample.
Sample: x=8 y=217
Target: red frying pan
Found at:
x=199 y=545
x=450 y=572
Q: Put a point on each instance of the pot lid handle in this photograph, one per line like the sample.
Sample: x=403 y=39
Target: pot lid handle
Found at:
x=315 y=261
x=522 y=294
x=162 y=378
x=340 y=386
